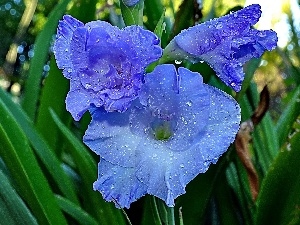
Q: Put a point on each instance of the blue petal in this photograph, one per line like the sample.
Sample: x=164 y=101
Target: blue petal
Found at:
x=178 y=98
x=109 y=136
x=165 y=166
x=143 y=41
x=118 y=184
x=166 y=172
x=225 y=44
x=65 y=30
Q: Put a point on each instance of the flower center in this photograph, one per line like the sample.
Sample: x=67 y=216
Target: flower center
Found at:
x=163 y=131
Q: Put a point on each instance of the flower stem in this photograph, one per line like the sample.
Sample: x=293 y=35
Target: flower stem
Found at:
x=171 y=218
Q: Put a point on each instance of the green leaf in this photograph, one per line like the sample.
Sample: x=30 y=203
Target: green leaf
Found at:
x=150 y=213
x=105 y=212
x=279 y=198
x=76 y=212
x=55 y=85
x=288 y=117
x=153 y=10
x=132 y=15
x=45 y=153
x=13 y=209
x=160 y=27
x=184 y=18
x=25 y=171
x=41 y=51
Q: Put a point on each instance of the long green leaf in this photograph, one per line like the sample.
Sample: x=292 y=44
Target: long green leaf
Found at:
x=16 y=209
x=41 y=51
x=76 y=212
x=45 y=153
x=106 y=213
x=279 y=198
x=20 y=161
x=55 y=85
x=288 y=117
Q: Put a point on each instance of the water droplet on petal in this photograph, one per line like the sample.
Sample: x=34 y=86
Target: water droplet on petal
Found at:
x=219 y=26
x=178 y=62
x=181 y=165
x=189 y=103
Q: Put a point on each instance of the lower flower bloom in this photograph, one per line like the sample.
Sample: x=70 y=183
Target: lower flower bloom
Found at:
x=177 y=128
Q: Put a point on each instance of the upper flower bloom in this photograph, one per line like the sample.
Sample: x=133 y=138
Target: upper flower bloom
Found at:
x=105 y=65
x=177 y=129
x=225 y=44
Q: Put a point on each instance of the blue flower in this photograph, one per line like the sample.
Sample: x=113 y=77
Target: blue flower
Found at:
x=173 y=132
x=105 y=65
x=225 y=44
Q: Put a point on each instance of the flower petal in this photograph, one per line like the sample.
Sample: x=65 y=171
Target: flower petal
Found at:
x=109 y=136
x=166 y=172
x=118 y=184
x=65 y=30
x=225 y=44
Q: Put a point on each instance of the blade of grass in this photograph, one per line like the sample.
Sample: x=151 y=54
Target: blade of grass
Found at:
x=41 y=51
x=279 y=199
x=17 y=209
x=41 y=148
x=288 y=117
x=76 y=212
x=20 y=161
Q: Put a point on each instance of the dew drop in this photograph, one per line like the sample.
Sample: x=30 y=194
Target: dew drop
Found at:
x=219 y=26
x=232 y=84
x=181 y=165
x=70 y=70
x=189 y=103
x=201 y=61
x=178 y=62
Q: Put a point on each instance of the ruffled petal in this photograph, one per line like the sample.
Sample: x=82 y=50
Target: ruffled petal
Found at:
x=118 y=184
x=225 y=44
x=143 y=41
x=65 y=30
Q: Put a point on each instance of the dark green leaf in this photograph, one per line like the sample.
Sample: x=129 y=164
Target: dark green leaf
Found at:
x=279 y=198
x=25 y=171
x=76 y=212
x=41 y=51
x=45 y=153
x=12 y=206
x=288 y=117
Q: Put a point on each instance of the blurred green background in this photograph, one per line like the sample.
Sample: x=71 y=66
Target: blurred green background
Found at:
x=46 y=173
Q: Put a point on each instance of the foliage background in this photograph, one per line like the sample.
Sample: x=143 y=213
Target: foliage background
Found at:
x=46 y=173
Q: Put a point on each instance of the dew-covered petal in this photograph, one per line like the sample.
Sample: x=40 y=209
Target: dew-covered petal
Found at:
x=166 y=173
x=143 y=41
x=225 y=44
x=118 y=184
x=176 y=99
x=61 y=47
x=109 y=136
x=205 y=37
